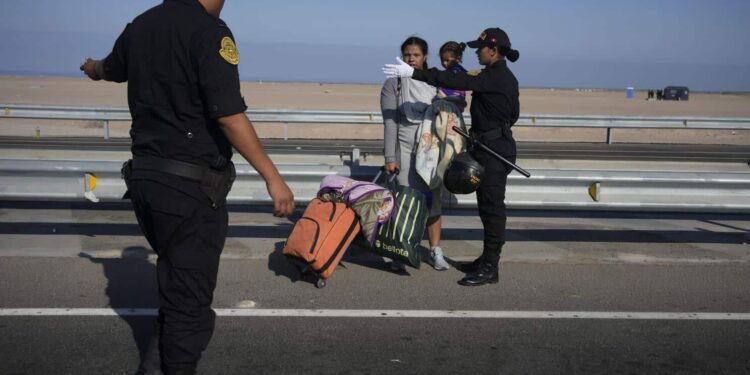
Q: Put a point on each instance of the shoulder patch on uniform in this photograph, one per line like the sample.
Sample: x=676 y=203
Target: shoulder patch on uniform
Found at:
x=474 y=72
x=229 y=51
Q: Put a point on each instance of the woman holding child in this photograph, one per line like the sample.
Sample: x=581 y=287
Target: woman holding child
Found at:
x=494 y=109
x=403 y=102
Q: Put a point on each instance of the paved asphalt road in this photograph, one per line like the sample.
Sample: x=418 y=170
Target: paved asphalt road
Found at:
x=573 y=291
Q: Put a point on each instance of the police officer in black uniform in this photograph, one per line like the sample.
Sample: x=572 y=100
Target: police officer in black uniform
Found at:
x=494 y=109
x=180 y=62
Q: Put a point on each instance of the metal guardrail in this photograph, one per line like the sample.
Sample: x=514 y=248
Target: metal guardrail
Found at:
x=66 y=180
x=107 y=114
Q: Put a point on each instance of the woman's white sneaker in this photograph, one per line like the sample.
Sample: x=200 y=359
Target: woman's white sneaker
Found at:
x=438 y=261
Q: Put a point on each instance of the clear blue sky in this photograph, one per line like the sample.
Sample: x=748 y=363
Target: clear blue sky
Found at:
x=576 y=43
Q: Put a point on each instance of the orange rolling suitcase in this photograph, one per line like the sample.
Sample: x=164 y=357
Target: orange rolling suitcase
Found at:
x=320 y=238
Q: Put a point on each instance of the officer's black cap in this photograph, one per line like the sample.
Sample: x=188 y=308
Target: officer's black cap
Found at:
x=495 y=37
x=490 y=38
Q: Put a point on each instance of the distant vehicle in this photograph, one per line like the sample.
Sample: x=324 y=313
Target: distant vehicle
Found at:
x=676 y=93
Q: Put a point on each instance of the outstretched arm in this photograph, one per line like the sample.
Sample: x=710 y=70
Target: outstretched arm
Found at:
x=94 y=69
x=114 y=66
x=448 y=79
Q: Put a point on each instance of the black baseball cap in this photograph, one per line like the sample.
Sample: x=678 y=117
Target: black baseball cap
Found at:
x=491 y=37
x=495 y=37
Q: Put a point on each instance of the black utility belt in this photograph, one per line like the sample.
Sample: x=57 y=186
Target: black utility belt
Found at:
x=214 y=183
x=489 y=135
x=170 y=166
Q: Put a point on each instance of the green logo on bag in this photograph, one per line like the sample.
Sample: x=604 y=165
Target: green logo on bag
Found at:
x=394 y=249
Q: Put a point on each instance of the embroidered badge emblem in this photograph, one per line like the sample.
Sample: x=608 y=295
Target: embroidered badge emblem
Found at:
x=229 y=51
x=483 y=36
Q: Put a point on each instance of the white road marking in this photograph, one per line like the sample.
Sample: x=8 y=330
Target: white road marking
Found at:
x=424 y=314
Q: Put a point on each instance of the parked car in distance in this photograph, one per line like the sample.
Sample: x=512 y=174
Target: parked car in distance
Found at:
x=676 y=93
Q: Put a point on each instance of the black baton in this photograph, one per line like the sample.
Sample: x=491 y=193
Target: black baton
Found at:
x=491 y=152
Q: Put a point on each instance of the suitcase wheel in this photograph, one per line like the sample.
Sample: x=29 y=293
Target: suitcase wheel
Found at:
x=321 y=283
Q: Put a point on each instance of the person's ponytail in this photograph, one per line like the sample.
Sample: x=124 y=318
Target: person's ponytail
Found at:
x=510 y=54
x=513 y=55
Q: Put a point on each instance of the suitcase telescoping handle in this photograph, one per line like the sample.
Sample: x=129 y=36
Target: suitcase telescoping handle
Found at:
x=491 y=152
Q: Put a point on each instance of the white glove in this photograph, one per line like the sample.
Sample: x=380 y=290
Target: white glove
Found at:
x=401 y=69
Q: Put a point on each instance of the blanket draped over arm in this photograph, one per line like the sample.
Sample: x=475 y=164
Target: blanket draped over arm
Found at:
x=438 y=142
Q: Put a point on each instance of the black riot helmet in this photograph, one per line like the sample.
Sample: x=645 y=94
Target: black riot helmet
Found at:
x=463 y=175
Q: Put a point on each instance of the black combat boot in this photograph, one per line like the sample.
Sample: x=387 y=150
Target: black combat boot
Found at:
x=470 y=267
x=487 y=274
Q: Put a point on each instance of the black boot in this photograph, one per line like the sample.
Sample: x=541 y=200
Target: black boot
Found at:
x=470 y=267
x=487 y=274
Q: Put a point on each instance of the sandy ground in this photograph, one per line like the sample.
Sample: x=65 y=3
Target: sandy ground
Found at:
x=80 y=91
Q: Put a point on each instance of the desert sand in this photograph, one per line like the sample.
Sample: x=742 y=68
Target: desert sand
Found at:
x=272 y=95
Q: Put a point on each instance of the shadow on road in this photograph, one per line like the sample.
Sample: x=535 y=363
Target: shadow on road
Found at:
x=357 y=253
x=517 y=235
x=131 y=282
x=279 y=264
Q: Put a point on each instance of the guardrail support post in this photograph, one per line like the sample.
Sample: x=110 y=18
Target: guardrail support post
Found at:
x=355 y=156
x=106 y=129
x=286 y=131
x=609 y=136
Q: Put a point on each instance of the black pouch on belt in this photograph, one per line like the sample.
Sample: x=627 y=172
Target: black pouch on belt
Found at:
x=126 y=171
x=217 y=183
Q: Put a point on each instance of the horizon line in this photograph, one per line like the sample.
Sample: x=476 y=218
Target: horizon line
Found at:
x=321 y=82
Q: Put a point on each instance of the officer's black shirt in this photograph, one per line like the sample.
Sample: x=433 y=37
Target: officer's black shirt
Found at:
x=179 y=82
x=494 y=93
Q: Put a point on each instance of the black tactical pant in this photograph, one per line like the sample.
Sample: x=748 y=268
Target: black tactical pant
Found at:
x=188 y=236
x=491 y=193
